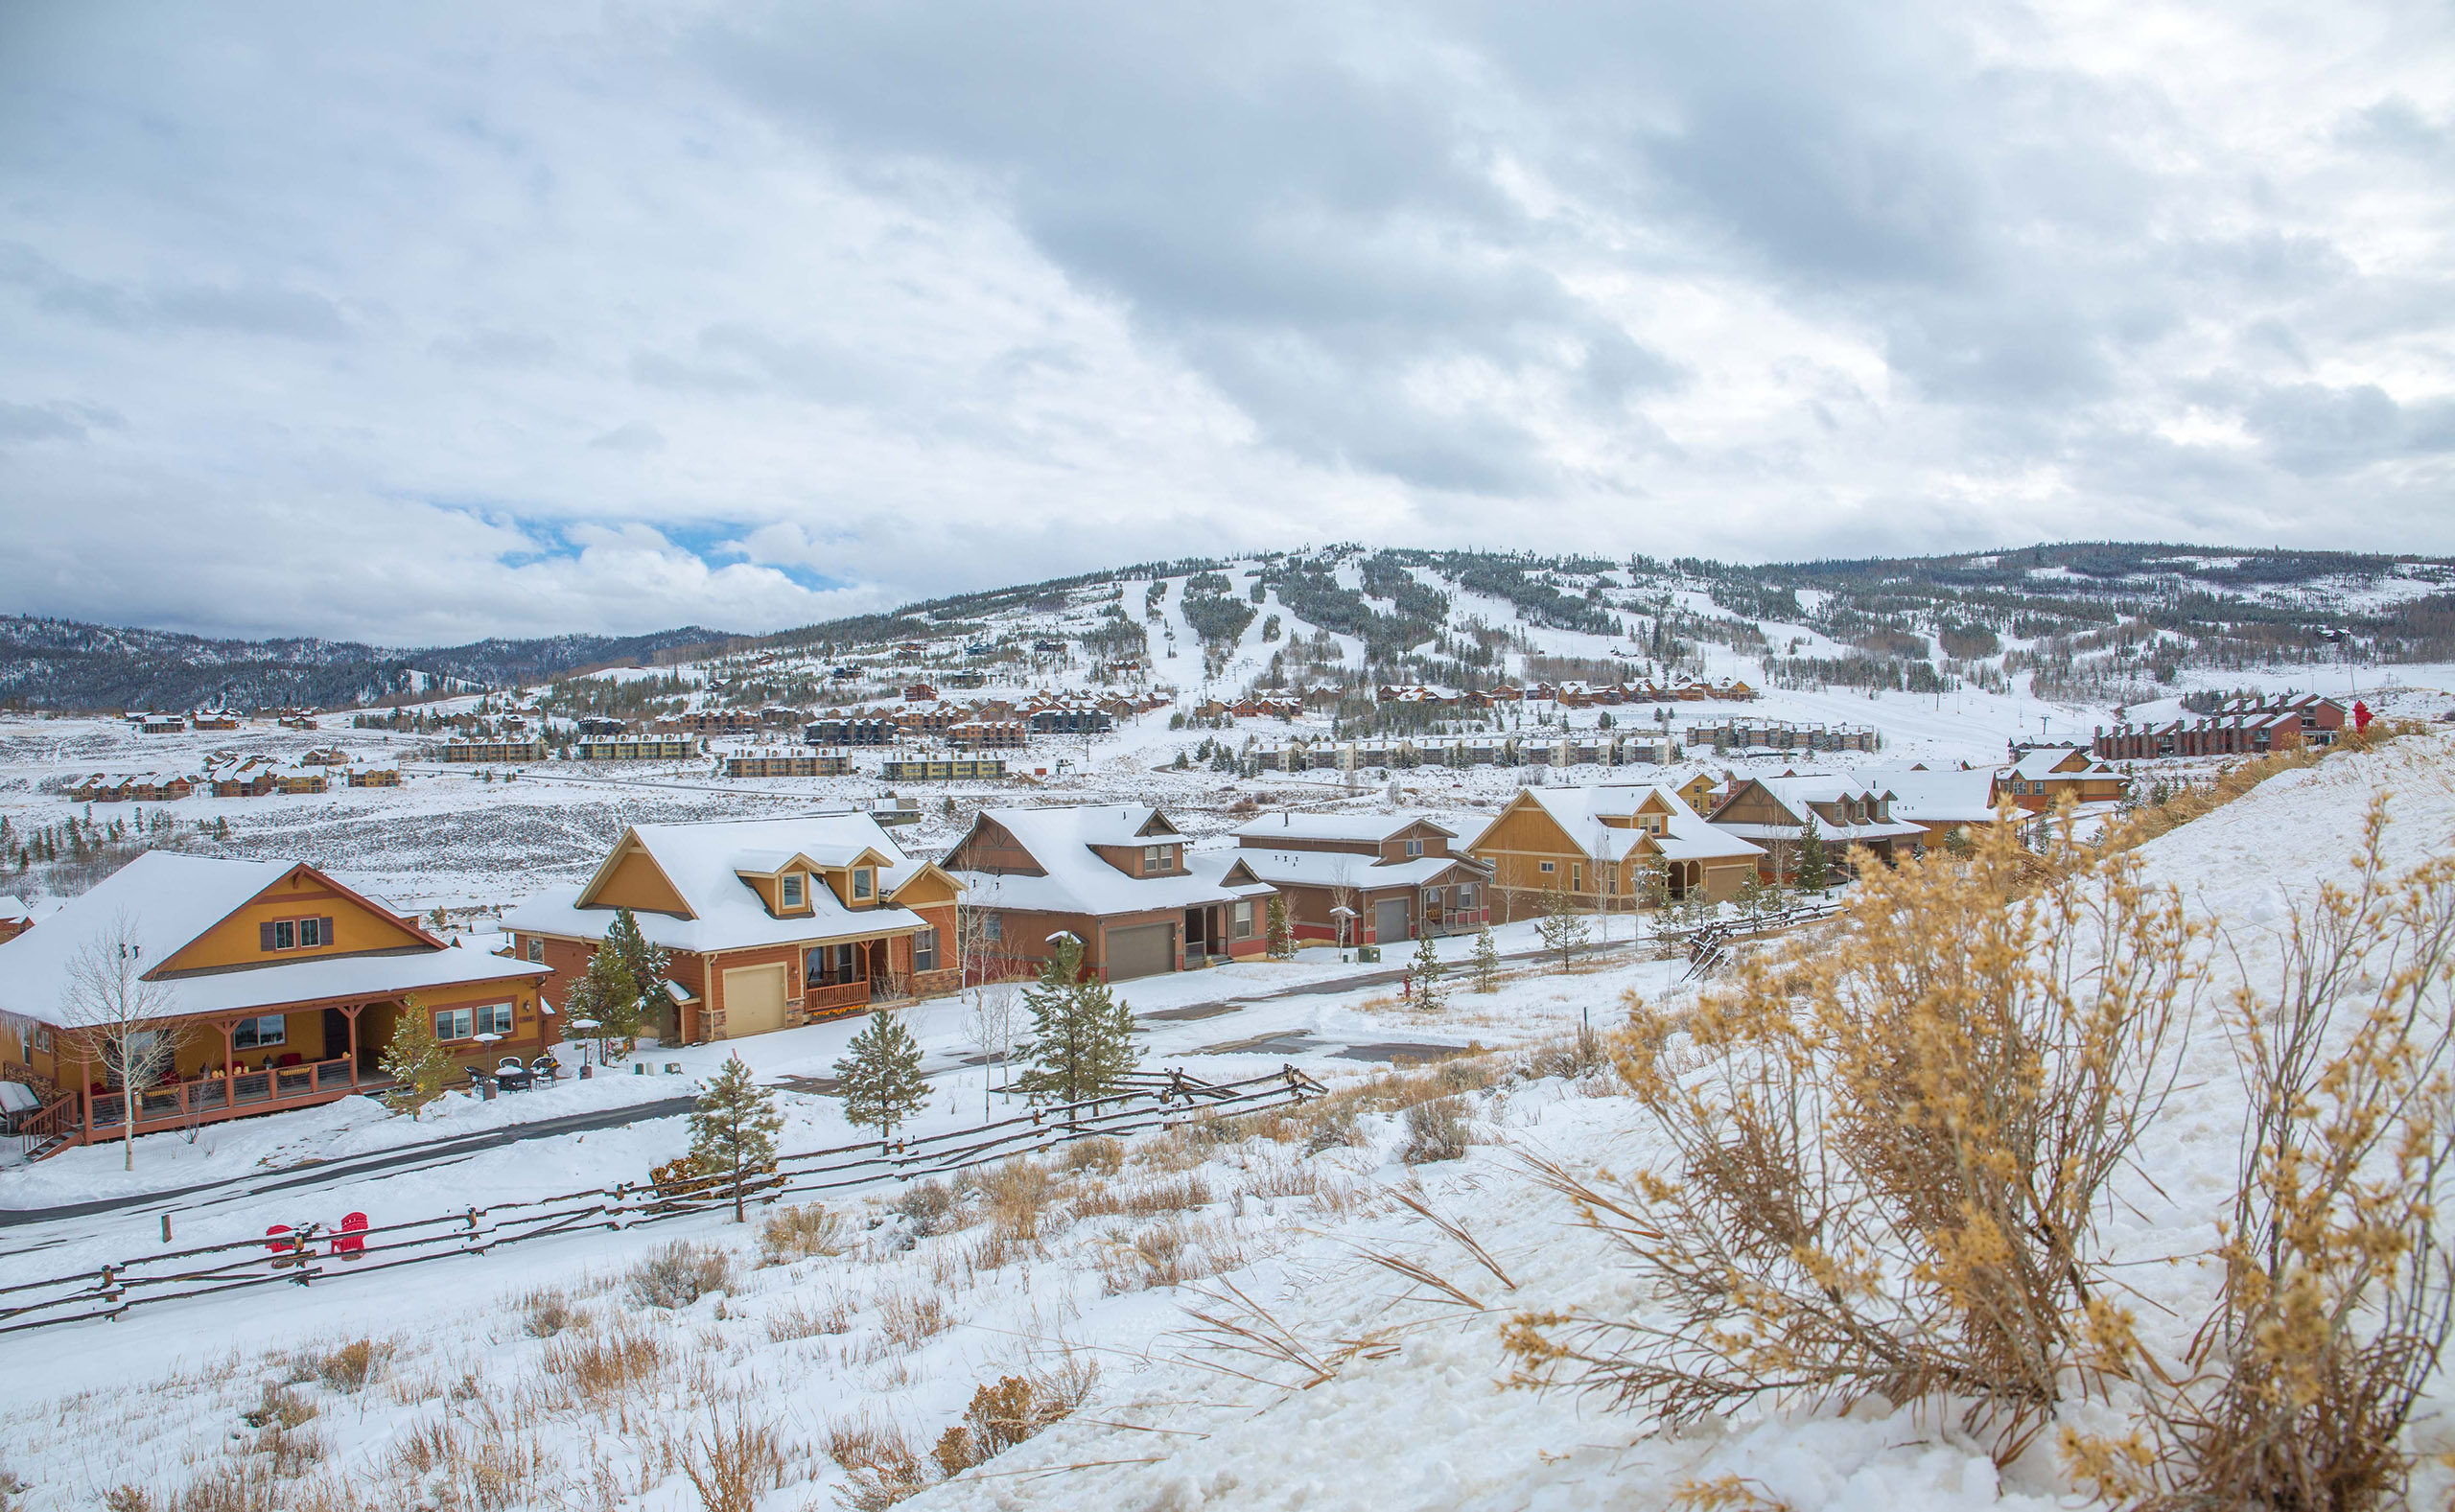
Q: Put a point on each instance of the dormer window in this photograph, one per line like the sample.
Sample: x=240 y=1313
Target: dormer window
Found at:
x=1159 y=858
x=1414 y=847
x=789 y=890
x=864 y=883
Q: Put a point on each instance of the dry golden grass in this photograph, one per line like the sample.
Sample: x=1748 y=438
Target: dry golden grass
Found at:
x=808 y=1318
x=729 y=1464
x=806 y=1232
x=1143 y=1198
x=678 y=1274
x=1174 y=1250
x=910 y=1319
x=597 y=1370
x=547 y=1312
x=878 y=1461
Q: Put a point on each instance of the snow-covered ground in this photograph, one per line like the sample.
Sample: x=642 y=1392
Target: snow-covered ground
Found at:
x=1386 y=1393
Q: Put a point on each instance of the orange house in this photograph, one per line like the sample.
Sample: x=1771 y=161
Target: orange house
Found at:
x=767 y=924
x=276 y=986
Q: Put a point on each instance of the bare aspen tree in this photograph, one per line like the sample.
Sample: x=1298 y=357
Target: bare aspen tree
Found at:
x=113 y=1012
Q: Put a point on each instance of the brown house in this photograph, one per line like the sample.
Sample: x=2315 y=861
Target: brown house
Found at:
x=1397 y=873
x=2042 y=778
x=768 y=923
x=1775 y=812
x=1118 y=878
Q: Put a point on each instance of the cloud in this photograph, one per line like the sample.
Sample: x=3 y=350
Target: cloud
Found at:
x=471 y=319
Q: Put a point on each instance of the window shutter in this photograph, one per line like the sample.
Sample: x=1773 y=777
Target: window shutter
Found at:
x=264 y=937
x=326 y=933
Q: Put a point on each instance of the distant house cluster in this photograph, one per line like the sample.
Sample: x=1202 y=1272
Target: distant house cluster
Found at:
x=2246 y=725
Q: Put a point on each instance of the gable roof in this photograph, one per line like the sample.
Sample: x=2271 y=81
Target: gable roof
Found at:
x=171 y=900
x=1076 y=880
x=1794 y=793
x=1376 y=827
x=1580 y=813
x=2038 y=765
x=705 y=863
x=1934 y=797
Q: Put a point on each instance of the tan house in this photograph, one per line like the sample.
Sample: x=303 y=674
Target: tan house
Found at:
x=279 y=988
x=1118 y=878
x=768 y=923
x=2042 y=778
x=1599 y=845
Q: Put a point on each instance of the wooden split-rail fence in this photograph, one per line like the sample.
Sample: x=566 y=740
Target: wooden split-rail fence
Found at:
x=315 y=1253
x=1709 y=947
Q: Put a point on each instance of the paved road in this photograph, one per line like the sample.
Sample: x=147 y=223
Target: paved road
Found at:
x=321 y=1173
x=324 y=1173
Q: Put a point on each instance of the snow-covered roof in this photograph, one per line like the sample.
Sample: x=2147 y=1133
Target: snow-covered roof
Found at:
x=1687 y=836
x=706 y=862
x=1934 y=797
x=2038 y=766
x=1375 y=827
x=1347 y=869
x=13 y=908
x=1078 y=881
x=169 y=899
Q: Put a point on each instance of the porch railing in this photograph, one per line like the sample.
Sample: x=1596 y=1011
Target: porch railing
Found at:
x=841 y=994
x=215 y=1098
x=49 y=1122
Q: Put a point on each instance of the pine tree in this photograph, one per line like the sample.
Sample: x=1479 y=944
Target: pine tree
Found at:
x=1487 y=961
x=882 y=1075
x=1281 y=931
x=1816 y=873
x=622 y=972
x=1751 y=898
x=1082 y=1044
x=416 y=1059
x=1425 y=972
x=733 y=1129
x=1562 y=927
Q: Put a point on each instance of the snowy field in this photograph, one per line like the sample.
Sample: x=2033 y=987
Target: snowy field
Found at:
x=535 y=1377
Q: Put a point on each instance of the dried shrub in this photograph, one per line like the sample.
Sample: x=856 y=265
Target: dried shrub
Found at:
x=1145 y=1198
x=929 y=1207
x=547 y=1312
x=1435 y=1130
x=879 y=1465
x=1019 y=1193
x=279 y=1408
x=808 y=1319
x=351 y=1366
x=1890 y=1157
x=678 y=1274
x=1103 y=1157
x=911 y=1319
x=597 y=1369
x=1005 y=1414
x=730 y=1466
x=800 y=1233
x=1335 y=1127
x=2339 y=1290
x=1168 y=1253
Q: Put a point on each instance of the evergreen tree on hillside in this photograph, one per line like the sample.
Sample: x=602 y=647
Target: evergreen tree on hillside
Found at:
x=1562 y=927
x=882 y=1075
x=733 y=1129
x=1081 y=1042
x=624 y=974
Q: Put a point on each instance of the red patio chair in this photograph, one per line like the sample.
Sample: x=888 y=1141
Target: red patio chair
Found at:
x=289 y=1058
x=278 y=1241
x=350 y=1240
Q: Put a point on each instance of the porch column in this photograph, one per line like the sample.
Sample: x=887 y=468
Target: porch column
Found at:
x=351 y=1012
x=229 y=1061
x=86 y=1089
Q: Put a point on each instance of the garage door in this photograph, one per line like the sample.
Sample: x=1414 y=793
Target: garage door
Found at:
x=1144 y=950
x=1390 y=919
x=754 y=1000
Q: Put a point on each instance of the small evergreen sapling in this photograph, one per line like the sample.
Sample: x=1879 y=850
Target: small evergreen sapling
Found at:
x=1487 y=961
x=1425 y=971
x=733 y=1129
x=1281 y=930
x=882 y=1075
x=1082 y=1044
x=1815 y=867
x=1562 y=927
x=416 y=1059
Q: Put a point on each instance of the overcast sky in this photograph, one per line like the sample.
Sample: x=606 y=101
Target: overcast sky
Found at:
x=418 y=323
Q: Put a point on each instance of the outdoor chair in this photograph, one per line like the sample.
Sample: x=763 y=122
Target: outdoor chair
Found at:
x=544 y=1068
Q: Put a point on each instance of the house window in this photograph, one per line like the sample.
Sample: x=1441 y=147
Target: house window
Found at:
x=536 y=949
x=924 y=950
x=1577 y=879
x=255 y=1034
x=454 y=1023
x=790 y=889
x=285 y=935
x=863 y=882
x=1245 y=919
x=493 y=1018
x=311 y=933
x=1414 y=847
x=993 y=927
x=1549 y=868
x=1159 y=858
x=1465 y=895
